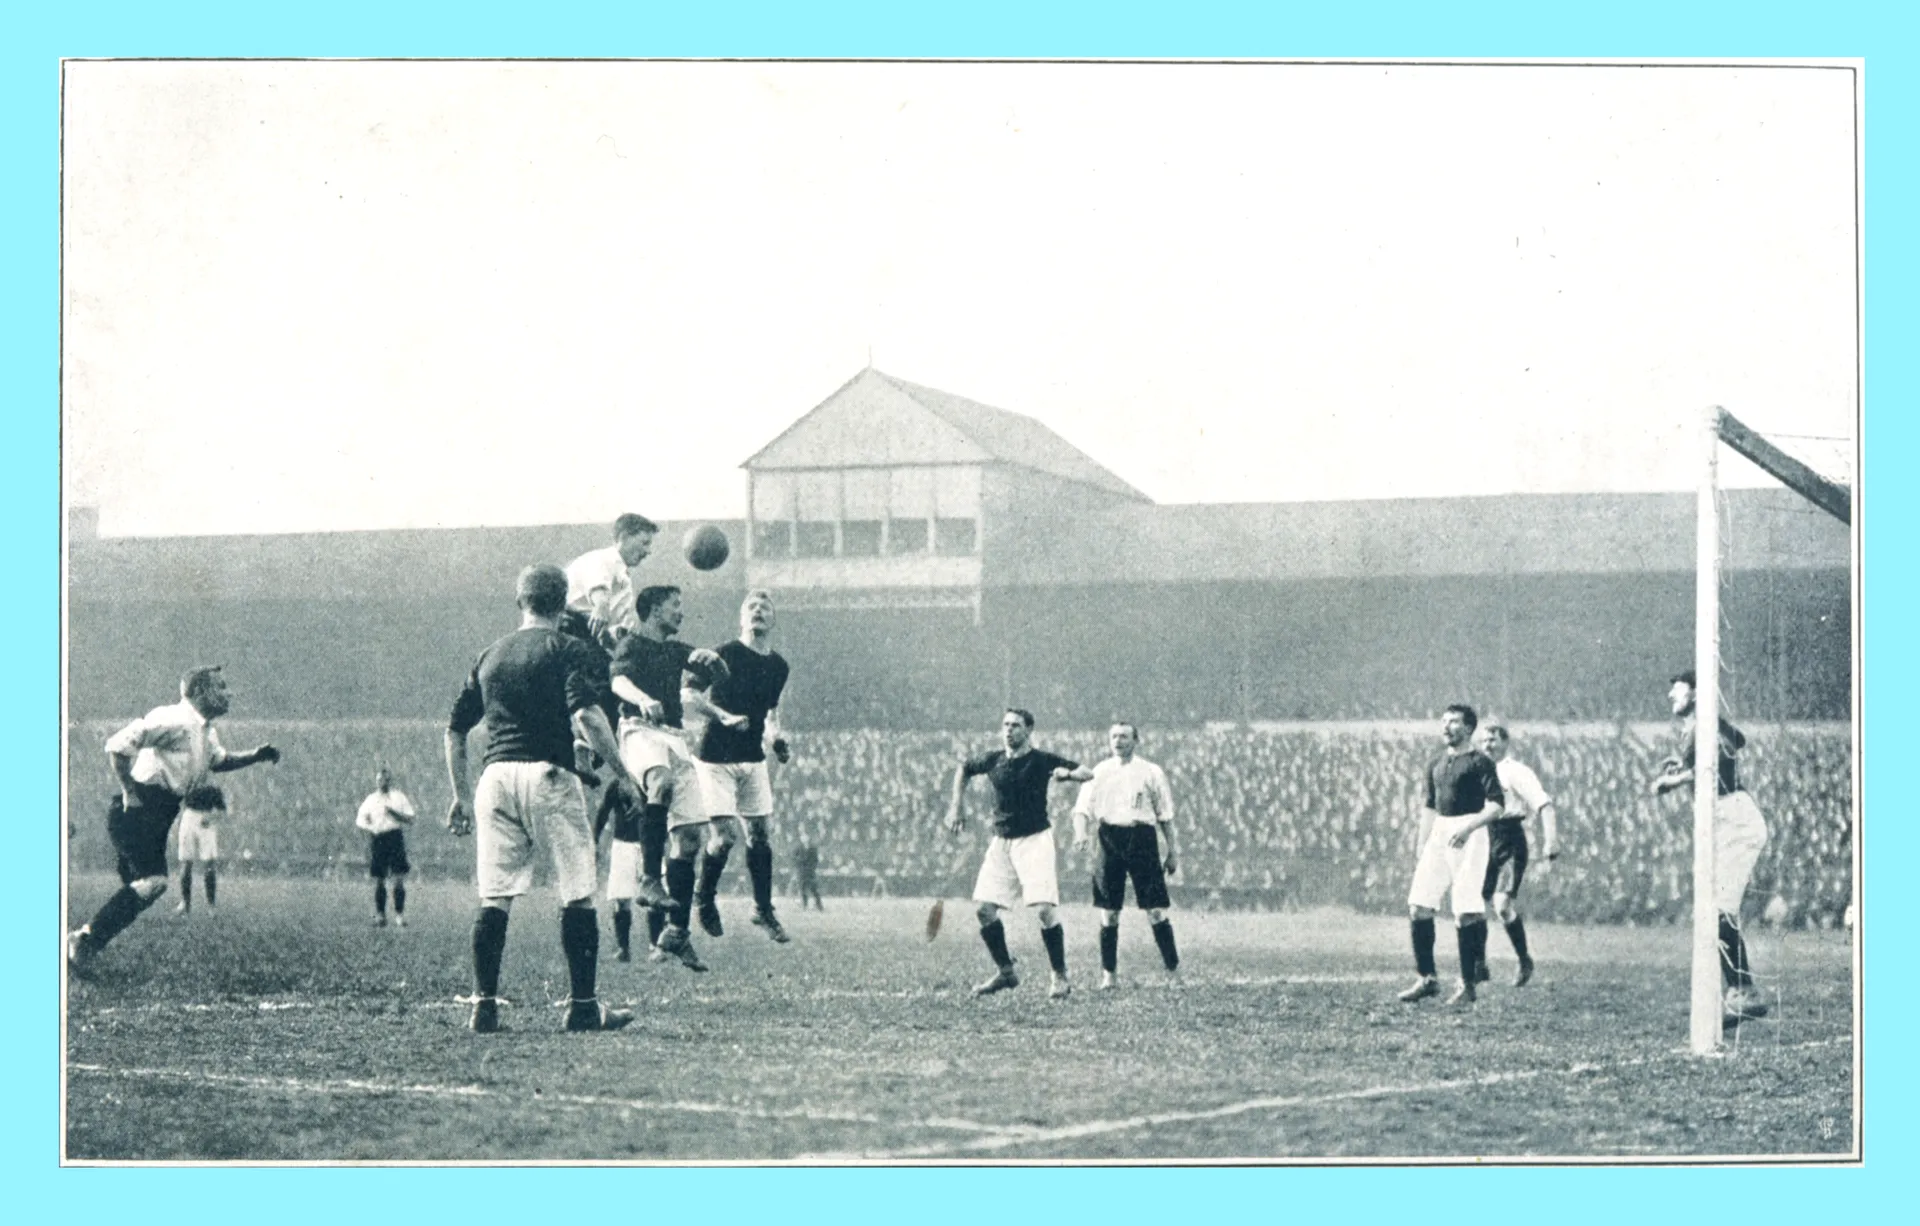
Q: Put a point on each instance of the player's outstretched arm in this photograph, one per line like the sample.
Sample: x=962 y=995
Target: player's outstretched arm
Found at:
x=626 y=691
x=1549 y=832
x=590 y=725
x=1072 y=774
x=238 y=761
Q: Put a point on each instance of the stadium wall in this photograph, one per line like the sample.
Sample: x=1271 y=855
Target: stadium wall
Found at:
x=1542 y=647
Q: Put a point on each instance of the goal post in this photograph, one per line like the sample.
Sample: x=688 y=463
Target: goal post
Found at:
x=1704 y=1013
x=1718 y=426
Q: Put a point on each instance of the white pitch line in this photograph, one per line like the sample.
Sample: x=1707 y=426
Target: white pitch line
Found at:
x=1026 y=1135
x=350 y=1085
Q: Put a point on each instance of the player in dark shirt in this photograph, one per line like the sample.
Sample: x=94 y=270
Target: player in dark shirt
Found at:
x=650 y=667
x=1021 y=864
x=535 y=690
x=1463 y=797
x=1739 y=836
x=742 y=713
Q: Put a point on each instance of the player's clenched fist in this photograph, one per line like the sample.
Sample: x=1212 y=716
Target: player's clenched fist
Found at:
x=459 y=820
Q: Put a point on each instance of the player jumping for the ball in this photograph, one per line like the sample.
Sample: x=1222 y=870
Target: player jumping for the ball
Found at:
x=742 y=713
x=1739 y=836
x=1021 y=862
x=649 y=668
x=1463 y=796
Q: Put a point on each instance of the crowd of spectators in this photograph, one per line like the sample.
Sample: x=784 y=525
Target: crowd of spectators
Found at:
x=1274 y=818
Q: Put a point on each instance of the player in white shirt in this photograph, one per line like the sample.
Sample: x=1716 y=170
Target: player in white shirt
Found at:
x=158 y=760
x=199 y=843
x=385 y=814
x=599 y=583
x=1130 y=803
x=1507 y=844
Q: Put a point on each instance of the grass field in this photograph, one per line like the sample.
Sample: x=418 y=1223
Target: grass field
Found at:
x=285 y=1028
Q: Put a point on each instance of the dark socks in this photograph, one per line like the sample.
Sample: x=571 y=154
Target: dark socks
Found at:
x=995 y=936
x=1163 y=937
x=680 y=889
x=186 y=886
x=1735 y=971
x=115 y=914
x=653 y=840
x=399 y=895
x=380 y=898
x=712 y=864
x=1423 y=946
x=489 y=942
x=213 y=880
x=1517 y=933
x=1109 y=947
x=656 y=924
x=580 y=938
x=760 y=869
x=1473 y=948
x=623 y=928
x=1055 y=939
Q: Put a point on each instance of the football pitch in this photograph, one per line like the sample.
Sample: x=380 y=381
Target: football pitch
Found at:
x=285 y=1028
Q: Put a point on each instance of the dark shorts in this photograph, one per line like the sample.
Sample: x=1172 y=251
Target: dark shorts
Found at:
x=139 y=834
x=389 y=854
x=1506 y=858
x=1129 y=851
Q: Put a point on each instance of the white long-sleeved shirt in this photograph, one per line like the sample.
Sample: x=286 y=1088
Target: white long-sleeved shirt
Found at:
x=174 y=747
x=1132 y=793
x=374 y=817
x=1525 y=794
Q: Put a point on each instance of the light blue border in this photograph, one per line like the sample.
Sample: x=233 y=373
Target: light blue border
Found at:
x=36 y=36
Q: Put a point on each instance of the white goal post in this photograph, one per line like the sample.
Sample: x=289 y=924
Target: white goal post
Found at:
x=1720 y=426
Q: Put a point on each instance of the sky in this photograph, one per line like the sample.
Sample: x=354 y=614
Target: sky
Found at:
x=352 y=295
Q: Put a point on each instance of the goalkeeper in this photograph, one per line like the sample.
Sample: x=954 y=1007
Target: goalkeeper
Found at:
x=158 y=760
x=1739 y=836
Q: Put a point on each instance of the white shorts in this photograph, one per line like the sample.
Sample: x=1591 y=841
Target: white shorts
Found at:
x=200 y=838
x=518 y=804
x=1739 y=836
x=644 y=747
x=623 y=871
x=1444 y=868
x=735 y=789
x=1019 y=870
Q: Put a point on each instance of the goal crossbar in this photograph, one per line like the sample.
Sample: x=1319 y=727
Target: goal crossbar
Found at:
x=1830 y=496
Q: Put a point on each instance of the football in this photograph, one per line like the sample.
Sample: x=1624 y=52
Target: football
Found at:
x=706 y=547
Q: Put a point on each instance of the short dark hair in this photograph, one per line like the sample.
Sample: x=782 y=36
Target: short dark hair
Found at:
x=1129 y=725
x=1466 y=714
x=647 y=599
x=542 y=590
x=1687 y=677
x=194 y=681
x=630 y=523
x=1026 y=716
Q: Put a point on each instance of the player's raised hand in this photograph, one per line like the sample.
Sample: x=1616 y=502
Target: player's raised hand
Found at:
x=459 y=819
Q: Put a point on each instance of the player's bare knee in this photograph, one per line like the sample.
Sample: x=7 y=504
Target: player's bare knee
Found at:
x=497 y=904
x=656 y=786
x=1155 y=915
x=1110 y=919
x=989 y=914
x=1048 y=916
x=757 y=835
x=1468 y=918
x=149 y=888
x=1420 y=913
x=578 y=904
